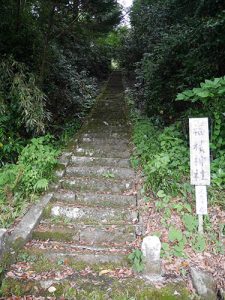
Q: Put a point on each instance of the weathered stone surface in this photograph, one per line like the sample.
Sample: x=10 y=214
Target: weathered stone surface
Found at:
x=3 y=237
x=81 y=253
x=64 y=195
x=204 y=284
x=151 y=247
x=98 y=161
x=54 y=232
x=23 y=230
x=111 y=134
x=85 y=234
x=106 y=200
x=93 y=184
x=106 y=140
x=59 y=173
x=95 y=152
x=91 y=258
x=119 y=147
x=107 y=234
x=98 y=171
x=95 y=199
x=65 y=158
x=89 y=215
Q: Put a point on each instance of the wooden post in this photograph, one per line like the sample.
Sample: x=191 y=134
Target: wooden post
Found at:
x=200 y=164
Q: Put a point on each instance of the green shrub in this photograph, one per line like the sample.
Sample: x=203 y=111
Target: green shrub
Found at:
x=163 y=154
x=20 y=182
x=210 y=95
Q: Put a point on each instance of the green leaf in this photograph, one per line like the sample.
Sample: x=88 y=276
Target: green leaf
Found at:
x=175 y=234
x=161 y=194
x=203 y=94
x=165 y=247
x=41 y=184
x=190 y=222
x=199 y=244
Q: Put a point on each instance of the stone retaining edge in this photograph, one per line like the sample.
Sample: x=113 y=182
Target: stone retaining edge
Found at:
x=11 y=241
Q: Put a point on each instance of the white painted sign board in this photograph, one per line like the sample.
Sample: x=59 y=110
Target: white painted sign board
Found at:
x=199 y=151
x=201 y=200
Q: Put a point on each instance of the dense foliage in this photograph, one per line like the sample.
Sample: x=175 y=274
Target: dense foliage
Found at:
x=52 y=54
x=53 y=57
x=173 y=45
x=175 y=49
x=19 y=182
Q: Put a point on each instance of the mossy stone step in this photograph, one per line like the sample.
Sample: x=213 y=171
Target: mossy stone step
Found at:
x=106 y=141
x=101 y=172
x=113 y=134
x=85 y=234
x=99 y=161
x=91 y=215
x=104 y=127
x=95 y=199
x=104 y=147
x=81 y=253
x=101 y=152
x=107 y=121
x=48 y=231
x=92 y=286
x=109 y=115
x=83 y=184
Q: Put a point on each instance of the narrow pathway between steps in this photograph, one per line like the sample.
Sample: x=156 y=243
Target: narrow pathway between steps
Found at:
x=88 y=229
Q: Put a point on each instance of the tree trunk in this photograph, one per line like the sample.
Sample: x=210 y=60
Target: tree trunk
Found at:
x=46 y=43
x=18 y=15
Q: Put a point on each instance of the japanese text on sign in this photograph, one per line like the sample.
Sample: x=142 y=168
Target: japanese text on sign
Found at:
x=201 y=200
x=199 y=151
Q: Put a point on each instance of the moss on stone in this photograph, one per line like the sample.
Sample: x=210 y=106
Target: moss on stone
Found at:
x=53 y=236
x=126 y=289
x=47 y=212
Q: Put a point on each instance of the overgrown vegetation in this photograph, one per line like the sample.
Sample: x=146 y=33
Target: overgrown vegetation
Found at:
x=162 y=151
x=175 y=50
x=54 y=56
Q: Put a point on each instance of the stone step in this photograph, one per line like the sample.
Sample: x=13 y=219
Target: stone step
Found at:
x=107 y=121
x=105 y=141
x=77 y=284
x=81 y=253
x=94 y=199
x=99 y=161
x=109 y=115
x=102 y=127
x=107 y=152
x=104 y=147
x=102 y=172
x=100 y=134
x=85 y=234
x=91 y=215
x=112 y=186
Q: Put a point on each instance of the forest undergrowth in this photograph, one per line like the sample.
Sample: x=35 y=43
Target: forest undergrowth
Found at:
x=22 y=183
x=161 y=154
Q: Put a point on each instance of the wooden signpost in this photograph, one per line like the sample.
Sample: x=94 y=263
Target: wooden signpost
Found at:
x=200 y=164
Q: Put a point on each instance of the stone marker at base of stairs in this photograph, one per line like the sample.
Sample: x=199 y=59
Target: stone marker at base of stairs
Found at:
x=204 y=284
x=151 y=247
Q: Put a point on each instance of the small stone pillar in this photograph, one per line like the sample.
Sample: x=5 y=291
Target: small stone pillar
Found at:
x=151 y=247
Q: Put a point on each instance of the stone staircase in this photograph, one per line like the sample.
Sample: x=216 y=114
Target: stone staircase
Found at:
x=92 y=218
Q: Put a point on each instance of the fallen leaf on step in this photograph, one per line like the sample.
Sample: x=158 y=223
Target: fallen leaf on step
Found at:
x=104 y=272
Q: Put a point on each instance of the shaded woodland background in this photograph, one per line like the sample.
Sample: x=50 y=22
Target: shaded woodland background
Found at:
x=53 y=54
x=56 y=54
